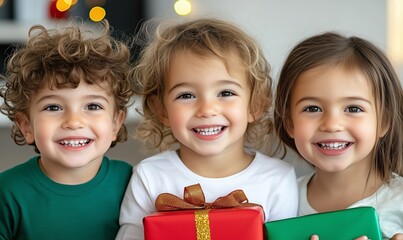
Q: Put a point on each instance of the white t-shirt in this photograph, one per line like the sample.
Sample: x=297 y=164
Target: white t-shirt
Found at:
x=266 y=181
x=388 y=202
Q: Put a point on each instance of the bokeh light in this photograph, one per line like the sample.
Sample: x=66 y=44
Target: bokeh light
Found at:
x=183 y=7
x=63 y=5
x=97 y=14
x=1 y=3
x=395 y=30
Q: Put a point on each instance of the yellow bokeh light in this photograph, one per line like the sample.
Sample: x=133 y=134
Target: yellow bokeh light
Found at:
x=97 y=13
x=1 y=3
x=395 y=31
x=63 y=5
x=74 y=2
x=183 y=7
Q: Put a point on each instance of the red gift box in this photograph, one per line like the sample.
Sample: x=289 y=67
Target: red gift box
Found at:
x=228 y=217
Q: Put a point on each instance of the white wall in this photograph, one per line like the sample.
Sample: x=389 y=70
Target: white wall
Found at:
x=279 y=25
x=276 y=24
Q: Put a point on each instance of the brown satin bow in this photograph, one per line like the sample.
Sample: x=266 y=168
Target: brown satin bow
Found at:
x=193 y=198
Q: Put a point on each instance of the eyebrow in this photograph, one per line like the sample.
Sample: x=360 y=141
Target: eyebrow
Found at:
x=221 y=82
x=91 y=96
x=352 y=98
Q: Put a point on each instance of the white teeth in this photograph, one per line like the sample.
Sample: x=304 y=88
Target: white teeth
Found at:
x=74 y=143
x=335 y=145
x=208 y=131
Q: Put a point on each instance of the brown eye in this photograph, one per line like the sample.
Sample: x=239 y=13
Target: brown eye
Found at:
x=52 y=108
x=354 y=109
x=93 y=107
x=185 y=96
x=312 y=109
x=226 y=93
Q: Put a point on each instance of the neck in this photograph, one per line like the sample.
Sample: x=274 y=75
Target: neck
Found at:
x=339 y=190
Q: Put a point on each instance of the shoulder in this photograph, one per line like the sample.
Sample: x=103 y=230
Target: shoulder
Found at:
x=118 y=169
x=304 y=206
x=120 y=164
x=163 y=161
x=162 y=156
x=395 y=186
x=388 y=196
x=270 y=162
x=271 y=171
x=396 y=180
x=18 y=173
x=18 y=177
x=387 y=202
x=303 y=180
x=392 y=190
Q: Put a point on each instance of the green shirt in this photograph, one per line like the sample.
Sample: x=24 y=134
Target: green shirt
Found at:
x=32 y=206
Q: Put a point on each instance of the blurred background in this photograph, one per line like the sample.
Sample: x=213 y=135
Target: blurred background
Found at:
x=276 y=25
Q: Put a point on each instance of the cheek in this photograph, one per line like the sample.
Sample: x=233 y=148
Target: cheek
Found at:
x=105 y=125
x=42 y=133
x=302 y=129
x=177 y=116
x=303 y=141
x=238 y=108
x=364 y=133
x=238 y=114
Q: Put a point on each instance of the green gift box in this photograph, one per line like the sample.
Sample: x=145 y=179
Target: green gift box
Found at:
x=346 y=224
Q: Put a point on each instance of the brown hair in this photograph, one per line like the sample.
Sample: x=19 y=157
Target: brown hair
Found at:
x=352 y=53
x=204 y=37
x=61 y=59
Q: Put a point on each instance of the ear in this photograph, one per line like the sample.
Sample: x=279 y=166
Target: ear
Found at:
x=25 y=127
x=289 y=127
x=383 y=129
x=117 y=123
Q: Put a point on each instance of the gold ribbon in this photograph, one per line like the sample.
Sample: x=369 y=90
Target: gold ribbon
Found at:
x=193 y=198
x=202 y=223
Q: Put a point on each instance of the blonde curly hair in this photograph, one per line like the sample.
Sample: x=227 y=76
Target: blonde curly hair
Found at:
x=204 y=37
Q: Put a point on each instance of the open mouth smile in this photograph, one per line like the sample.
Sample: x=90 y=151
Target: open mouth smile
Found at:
x=208 y=131
x=334 y=145
x=75 y=142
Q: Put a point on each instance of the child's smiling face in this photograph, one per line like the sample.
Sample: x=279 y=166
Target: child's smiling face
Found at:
x=333 y=118
x=71 y=127
x=207 y=108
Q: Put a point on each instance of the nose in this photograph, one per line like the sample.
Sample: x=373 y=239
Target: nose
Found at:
x=332 y=122
x=207 y=108
x=72 y=120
